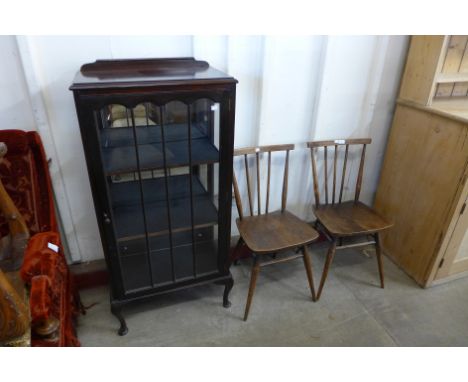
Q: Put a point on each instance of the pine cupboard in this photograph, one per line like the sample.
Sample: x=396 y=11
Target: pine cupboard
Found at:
x=158 y=138
x=423 y=186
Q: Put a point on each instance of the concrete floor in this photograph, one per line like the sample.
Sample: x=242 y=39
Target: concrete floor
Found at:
x=353 y=310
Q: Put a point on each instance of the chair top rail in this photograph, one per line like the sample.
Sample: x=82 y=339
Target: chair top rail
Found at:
x=262 y=149
x=339 y=142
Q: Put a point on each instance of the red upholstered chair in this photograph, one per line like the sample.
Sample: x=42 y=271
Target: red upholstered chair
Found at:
x=25 y=175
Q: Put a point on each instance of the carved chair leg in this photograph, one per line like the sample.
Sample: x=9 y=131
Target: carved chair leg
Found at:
x=117 y=312
x=253 y=282
x=308 y=267
x=378 y=251
x=227 y=289
x=328 y=261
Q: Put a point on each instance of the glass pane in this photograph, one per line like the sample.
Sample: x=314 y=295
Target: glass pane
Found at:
x=120 y=155
x=206 y=177
x=161 y=164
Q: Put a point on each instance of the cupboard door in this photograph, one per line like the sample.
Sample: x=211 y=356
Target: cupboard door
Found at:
x=455 y=258
x=161 y=163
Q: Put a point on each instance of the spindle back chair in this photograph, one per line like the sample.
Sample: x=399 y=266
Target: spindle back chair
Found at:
x=269 y=232
x=339 y=219
x=257 y=151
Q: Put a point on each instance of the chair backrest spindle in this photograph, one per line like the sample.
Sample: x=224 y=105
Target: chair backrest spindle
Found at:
x=284 y=195
x=359 y=178
x=246 y=164
x=258 y=151
x=259 y=210
x=268 y=183
x=237 y=195
x=345 y=161
x=315 y=177
x=334 y=173
x=325 y=155
x=315 y=145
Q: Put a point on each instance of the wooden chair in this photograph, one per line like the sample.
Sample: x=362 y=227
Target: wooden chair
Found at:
x=339 y=219
x=270 y=232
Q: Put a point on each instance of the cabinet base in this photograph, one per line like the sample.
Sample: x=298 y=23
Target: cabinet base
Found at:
x=117 y=304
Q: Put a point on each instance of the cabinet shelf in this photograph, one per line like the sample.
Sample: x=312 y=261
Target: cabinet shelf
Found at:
x=136 y=275
x=173 y=132
x=128 y=215
x=446 y=78
x=119 y=153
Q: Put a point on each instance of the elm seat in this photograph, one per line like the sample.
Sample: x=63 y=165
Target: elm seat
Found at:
x=276 y=231
x=350 y=219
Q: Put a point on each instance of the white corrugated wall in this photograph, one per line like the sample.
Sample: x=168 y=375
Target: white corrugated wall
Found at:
x=291 y=89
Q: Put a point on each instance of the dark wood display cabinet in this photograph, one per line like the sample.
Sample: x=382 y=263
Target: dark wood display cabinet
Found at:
x=158 y=137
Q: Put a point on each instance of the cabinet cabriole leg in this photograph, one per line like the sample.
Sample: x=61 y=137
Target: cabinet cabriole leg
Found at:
x=228 y=284
x=117 y=312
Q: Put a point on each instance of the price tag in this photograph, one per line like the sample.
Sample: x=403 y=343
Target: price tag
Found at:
x=340 y=141
x=53 y=247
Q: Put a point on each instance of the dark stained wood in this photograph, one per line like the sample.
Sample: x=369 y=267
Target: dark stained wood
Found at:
x=308 y=267
x=315 y=177
x=262 y=149
x=350 y=219
x=343 y=175
x=237 y=196
x=335 y=159
x=363 y=141
x=273 y=232
x=268 y=183
x=344 y=218
x=249 y=191
x=284 y=195
x=259 y=210
x=378 y=252
x=325 y=171
x=155 y=83
x=253 y=283
x=359 y=178
x=330 y=255
x=159 y=72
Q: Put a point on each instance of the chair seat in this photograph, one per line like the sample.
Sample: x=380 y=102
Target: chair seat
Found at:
x=275 y=231
x=350 y=218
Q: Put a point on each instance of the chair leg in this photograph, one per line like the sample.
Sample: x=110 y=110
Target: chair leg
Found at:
x=308 y=267
x=253 y=282
x=378 y=251
x=328 y=261
x=232 y=256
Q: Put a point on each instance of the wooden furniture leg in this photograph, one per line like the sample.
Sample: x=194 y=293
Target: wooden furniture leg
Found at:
x=116 y=310
x=308 y=267
x=253 y=282
x=328 y=261
x=227 y=289
x=378 y=251
x=232 y=256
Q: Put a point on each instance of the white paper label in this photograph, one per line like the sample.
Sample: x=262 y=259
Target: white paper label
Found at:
x=257 y=149
x=53 y=247
x=340 y=141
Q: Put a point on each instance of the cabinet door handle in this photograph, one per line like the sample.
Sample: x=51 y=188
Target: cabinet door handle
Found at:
x=106 y=218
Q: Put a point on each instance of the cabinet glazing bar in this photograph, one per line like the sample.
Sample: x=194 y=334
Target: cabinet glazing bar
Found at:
x=135 y=139
x=166 y=182
x=189 y=124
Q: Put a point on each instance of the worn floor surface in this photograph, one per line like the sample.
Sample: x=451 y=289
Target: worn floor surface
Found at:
x=353 y=310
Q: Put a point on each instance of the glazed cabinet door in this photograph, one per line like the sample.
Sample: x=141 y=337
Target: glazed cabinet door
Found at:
x=161 y=166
